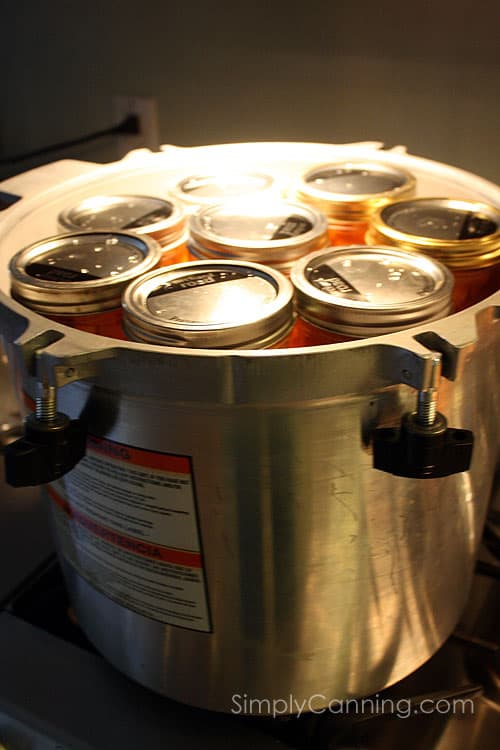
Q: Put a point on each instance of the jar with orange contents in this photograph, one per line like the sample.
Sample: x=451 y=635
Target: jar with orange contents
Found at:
x=357 y=291
x=163 y=220
x=77 y=279
x=349 y=192
x=210 y=305
x=465 y=235
x=276 y=233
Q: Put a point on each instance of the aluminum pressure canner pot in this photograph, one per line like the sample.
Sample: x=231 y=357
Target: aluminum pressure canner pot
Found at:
x=296 y=524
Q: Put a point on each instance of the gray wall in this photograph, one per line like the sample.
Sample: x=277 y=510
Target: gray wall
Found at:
x=426 y=75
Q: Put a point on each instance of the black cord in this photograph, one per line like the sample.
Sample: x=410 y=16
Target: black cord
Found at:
x=129 y=125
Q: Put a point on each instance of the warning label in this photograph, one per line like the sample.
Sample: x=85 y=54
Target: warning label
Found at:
x=127 y=521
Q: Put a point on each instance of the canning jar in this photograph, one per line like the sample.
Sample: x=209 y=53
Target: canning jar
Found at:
x=163 y=220
x=465 y=235
x=200 y=190
x=275 y=233
x=349 y=192
x=78 y=278
x=358 y=291
x=210 y=304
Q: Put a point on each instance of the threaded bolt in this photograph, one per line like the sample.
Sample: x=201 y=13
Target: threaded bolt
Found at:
x=427 y=397
x=427 y=407
x=46 y=403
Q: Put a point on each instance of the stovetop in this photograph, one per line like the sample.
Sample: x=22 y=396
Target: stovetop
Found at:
x=58 y=693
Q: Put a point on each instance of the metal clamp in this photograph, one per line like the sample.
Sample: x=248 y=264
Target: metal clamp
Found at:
x=423 y=447
x=52 y=443
x=51 y=446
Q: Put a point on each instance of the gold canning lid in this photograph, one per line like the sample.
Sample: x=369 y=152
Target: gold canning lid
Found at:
x=462 y=234
x=81 y=272
x=161 y=219
x=353 y=190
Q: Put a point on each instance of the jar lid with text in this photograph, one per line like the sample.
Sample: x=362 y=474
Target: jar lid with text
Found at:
x=209 y=304
x=361 y=291
x=80 y=272
x=462 y=234
x=275 y=233
x=161 y=219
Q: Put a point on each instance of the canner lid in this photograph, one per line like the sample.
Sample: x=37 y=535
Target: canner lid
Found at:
x=85 y=269
x=369 y=290
x=205 y=304
x=353 y=190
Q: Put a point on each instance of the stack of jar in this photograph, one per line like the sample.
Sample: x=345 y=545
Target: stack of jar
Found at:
x=85 y=280
x=202 y=283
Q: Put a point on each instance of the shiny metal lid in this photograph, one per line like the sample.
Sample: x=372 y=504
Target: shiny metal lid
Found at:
x=351 y=191
x=462 y=234
x=366 y=291
x=275 y=233
x=209 y=304
x=141 y=214
x=81 y=272
x=207 y=189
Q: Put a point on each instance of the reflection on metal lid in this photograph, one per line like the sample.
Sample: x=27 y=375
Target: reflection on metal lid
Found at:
x=206 y=189
x=353 y=180
x=141 y=214
x=361 y=291
x=208 y=304
x=81 y=269
x=462 y=234
x=276 y=233
x=353 y=190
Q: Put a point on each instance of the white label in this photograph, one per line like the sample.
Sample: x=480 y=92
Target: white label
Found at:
x=126 y=518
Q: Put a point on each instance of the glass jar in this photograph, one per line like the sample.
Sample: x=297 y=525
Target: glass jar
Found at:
x=210 y=304
x=349 y=192
x=357 y=291
x=275 y=233
x=77 y=279
x=160 y=219
x=465 y=235
x=202 y=190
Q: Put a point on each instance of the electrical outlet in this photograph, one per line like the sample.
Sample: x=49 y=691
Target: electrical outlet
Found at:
x=146 y=110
